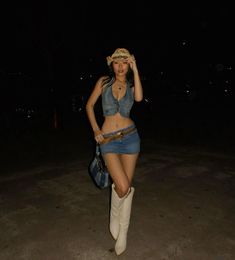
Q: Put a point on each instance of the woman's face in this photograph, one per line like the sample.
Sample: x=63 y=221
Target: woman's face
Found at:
x=120 y=67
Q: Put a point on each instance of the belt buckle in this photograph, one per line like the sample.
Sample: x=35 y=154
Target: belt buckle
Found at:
x=120 y=134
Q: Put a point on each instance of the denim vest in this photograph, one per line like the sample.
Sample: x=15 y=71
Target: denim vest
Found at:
x=111 y=105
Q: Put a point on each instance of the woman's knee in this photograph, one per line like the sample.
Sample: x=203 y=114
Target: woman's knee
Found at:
x=122 y=189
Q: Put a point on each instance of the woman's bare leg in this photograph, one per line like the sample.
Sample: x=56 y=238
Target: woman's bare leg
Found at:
x=119 y=191
x=129 y=163
x=121 y=168
x=117 y=172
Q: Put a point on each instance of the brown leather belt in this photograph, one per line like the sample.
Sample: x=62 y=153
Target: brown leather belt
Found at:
x=118 y=135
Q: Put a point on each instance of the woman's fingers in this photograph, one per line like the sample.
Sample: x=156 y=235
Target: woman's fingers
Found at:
x=99 y=138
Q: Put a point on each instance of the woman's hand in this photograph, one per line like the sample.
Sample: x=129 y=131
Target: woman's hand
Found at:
x=98 y=136
x=132 y=63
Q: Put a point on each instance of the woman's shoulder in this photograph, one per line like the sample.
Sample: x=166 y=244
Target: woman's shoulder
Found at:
x=102 y=79
x=105 y=81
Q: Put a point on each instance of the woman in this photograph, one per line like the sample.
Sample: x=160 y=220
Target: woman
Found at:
x=118 y=137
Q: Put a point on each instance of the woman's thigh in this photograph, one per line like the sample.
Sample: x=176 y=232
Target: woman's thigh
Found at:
x=129 y=164
x=121 y=168
x=116 y=170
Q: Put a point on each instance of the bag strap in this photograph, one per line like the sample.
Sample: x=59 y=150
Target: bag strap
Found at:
x=97 y=149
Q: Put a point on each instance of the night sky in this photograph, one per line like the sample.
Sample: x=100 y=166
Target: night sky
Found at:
x=47 y=38
x=51 y=44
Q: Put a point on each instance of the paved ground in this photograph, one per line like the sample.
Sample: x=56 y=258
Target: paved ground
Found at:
x=183 y=208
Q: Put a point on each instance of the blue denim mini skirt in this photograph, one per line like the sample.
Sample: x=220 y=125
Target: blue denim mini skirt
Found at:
x=127 y=144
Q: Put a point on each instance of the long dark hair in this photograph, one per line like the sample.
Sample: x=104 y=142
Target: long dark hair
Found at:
x=111 y=75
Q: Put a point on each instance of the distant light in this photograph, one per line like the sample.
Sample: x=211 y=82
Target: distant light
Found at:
x=81 y=78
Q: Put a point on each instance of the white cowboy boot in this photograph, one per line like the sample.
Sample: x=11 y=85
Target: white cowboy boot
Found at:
x=116 y=204
x=125 y=214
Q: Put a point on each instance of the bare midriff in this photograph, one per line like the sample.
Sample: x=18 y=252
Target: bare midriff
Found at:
x=115 y=122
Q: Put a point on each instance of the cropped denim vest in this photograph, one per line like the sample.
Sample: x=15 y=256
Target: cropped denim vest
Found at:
x=111 y=105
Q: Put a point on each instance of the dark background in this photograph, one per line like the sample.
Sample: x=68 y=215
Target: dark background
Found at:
x=52 y=53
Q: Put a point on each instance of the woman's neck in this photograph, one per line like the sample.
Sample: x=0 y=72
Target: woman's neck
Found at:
x=121 y=80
